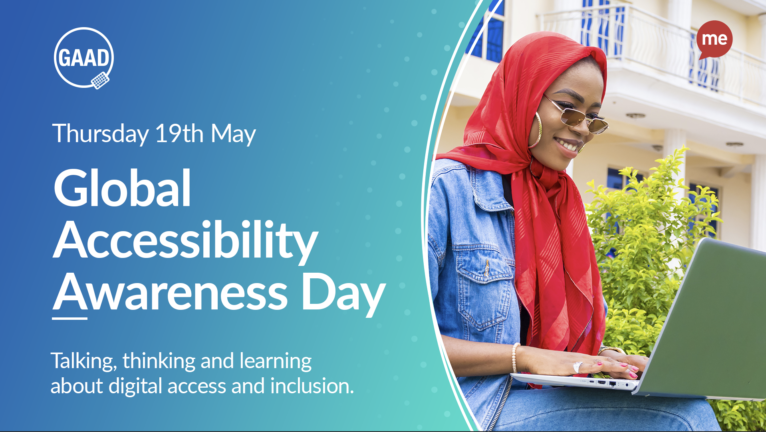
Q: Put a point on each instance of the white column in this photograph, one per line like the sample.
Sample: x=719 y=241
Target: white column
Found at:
x=680 y=13
x=674 y=140
x=562 y=5
x=567 y=24
x=758 y=204
x=570 y=169
x=678 y=40
x=762 y=19
x=507 y=26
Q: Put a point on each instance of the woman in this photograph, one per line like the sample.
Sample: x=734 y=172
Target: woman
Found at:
x=513 y=272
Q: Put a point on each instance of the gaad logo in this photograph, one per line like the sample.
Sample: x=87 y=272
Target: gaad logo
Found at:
x=84 y=58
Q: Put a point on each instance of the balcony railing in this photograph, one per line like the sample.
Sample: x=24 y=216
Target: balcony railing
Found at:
x=629 y=34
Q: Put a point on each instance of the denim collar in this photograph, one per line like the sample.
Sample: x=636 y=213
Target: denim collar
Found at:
x=488 y=190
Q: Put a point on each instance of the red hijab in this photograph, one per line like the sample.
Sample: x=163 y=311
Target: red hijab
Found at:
x=557 y=277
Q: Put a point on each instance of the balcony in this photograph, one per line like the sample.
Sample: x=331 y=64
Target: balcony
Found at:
x=654 y=45
x=654 y=69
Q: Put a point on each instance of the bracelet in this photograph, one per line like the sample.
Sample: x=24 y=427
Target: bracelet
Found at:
x=611 y=348
x=514 y=356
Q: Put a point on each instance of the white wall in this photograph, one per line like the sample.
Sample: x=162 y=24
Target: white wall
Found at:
x=656 y=7
x=754 y=31
x=708 y=10
x=452 y=134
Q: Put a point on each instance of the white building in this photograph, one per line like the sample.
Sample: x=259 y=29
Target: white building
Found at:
x=659 y=95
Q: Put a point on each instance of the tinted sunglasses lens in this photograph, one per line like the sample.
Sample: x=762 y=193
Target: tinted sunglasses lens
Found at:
x=572 y=117
x=597 y=126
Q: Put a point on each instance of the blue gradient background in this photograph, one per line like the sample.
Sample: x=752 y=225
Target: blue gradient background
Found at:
x=314 y=79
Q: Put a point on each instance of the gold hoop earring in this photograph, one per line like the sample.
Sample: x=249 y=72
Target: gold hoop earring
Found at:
x=540 y=130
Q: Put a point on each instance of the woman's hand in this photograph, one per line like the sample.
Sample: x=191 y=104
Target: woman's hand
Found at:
x=547 y=362
x=634 y=360
x=470 y=358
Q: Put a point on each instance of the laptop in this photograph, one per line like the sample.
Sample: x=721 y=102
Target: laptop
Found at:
x=713 y=343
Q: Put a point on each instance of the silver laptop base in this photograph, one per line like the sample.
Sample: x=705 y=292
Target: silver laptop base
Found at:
x=600 y=383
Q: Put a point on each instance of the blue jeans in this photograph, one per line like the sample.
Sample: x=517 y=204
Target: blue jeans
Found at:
x=572 y=408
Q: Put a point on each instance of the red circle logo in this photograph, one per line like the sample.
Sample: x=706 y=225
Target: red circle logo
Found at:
x=714 y=39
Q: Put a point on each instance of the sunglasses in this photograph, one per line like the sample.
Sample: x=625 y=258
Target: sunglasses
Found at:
x=572 y=117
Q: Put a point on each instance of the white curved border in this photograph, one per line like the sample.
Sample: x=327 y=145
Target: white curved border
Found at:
x=426 y=195
x=56 y=51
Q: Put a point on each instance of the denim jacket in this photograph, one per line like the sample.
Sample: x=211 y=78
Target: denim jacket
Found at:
x=471 y=270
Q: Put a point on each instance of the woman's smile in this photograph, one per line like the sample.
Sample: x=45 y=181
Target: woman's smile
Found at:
x=568 y=147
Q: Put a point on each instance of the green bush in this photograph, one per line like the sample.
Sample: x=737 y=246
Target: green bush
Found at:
x=644 y=238
x=632 y=330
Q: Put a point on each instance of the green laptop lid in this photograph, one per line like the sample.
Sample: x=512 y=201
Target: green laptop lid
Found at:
x=713 y=343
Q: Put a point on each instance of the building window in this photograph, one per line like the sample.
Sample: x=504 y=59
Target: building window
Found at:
x=490 y=40
x=617 y=181
x=708 y=71
x=596 y=25
x=714 y=224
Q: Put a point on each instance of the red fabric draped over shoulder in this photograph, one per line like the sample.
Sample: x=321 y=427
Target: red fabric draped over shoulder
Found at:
x=557 y=277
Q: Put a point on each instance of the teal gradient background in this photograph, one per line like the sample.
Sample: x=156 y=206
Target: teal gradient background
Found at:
x=342 y=95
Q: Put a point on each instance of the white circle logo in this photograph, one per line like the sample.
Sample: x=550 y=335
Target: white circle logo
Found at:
x=84 y=58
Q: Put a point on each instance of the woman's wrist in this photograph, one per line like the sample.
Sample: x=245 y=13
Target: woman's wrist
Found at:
x=523 y=354
x=608 y=348
x=616 y=355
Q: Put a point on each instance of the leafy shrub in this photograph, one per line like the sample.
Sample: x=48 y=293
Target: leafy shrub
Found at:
x=644 y=237
x=632 y=330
